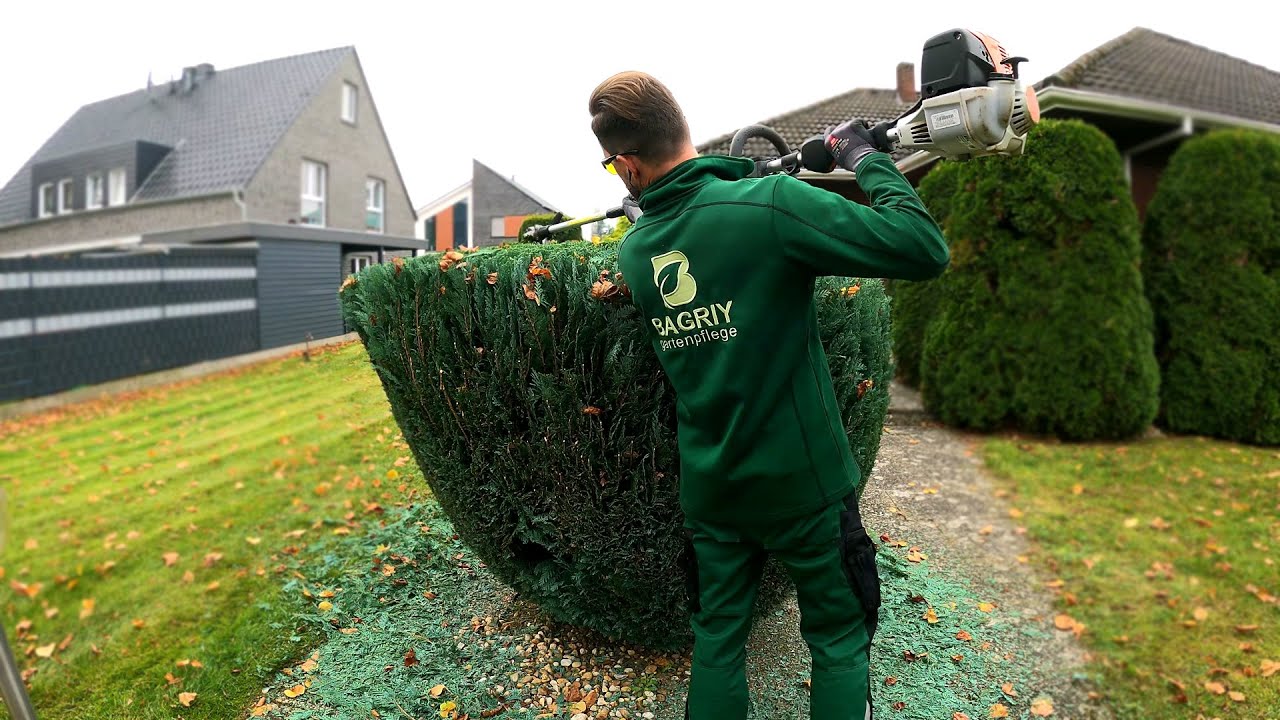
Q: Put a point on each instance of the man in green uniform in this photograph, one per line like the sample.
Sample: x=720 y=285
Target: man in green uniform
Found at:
x=722 y=268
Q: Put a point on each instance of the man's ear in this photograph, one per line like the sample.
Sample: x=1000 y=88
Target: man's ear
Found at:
x=629 y=161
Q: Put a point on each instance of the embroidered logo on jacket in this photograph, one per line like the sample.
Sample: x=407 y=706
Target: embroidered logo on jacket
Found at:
x=677 y=287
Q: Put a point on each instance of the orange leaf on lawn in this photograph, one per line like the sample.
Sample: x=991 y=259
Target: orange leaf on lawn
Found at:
x=1216 y=688
x=170 y=558
x=1064 y=622
x=998 y=711
x=186 y=698
x=86 y=607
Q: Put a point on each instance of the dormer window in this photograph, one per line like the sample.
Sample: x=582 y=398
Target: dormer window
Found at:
x=350 y=97
x=94 y=191
x=116 y=190
x=48 y=200
x=66 y=192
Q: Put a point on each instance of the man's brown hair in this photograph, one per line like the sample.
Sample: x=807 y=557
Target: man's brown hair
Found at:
x=633 y=111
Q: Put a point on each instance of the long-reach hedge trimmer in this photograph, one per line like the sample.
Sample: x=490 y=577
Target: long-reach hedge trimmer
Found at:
x=972 y=103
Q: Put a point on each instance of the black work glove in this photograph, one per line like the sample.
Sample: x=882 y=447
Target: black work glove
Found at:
x=849 y=143
x=631 y=209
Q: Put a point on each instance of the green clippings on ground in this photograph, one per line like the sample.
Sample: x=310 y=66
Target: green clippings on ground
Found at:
x=1167 y=550
x=957 y=663
x=148 y=528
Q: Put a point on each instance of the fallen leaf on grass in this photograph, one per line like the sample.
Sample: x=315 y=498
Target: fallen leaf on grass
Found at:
x=86 y=607
x=1269 y=668
x=186 y=698
x=262 y=708
x=1042 y=707
x=1246 y=629
x=212 y=586
x=170 y=558
x=1236 y=696
x=253 y=540
x=914 y=555
x=138 y=624
x=211 y=559
x=24 y=589
x=46 y=651
x=998 y=711
x=1064 y=622
x=1200 y=614
x=188 y=577
x=1216 y=688
x=1131 y=522
x=295 y=691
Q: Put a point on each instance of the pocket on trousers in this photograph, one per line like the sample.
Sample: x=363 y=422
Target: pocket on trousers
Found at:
x=858 y=553
x=691 y=585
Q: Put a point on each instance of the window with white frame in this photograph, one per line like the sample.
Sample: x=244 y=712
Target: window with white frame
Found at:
x=48 y=201
x=313 y=193
x=358 y=262
x=375 y=192
x=66 y=194
x=350 y=98
x=94 y=191
x=117 y=193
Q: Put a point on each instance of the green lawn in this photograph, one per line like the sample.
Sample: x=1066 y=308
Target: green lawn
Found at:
x=145 y=534
x=1168 y=551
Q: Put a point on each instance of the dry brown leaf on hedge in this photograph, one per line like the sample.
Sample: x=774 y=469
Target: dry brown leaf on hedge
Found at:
x=1007 y=689
x=986 y=607
x=398 y=262
x=998 y=711
x=1042 y=707
x=964 y=635
x=436 y=691
x=531 y=294
x=591 y=410
x=957 y=715
x=295 y=691
x=411 y=658
x=930 y=616
x=493 y=278
x=864 y=386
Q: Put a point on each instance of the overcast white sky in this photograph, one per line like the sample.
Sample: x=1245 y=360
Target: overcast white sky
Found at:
x=507 y=82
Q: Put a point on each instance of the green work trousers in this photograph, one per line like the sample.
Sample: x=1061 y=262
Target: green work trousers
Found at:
x=832 y=561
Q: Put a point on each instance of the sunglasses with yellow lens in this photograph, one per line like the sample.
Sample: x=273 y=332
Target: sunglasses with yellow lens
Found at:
x=608 y=162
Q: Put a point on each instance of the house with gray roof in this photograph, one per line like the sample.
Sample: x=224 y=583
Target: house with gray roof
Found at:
x=293 y=141
x=486 y=210
x=1146 y=90
x=209 y=216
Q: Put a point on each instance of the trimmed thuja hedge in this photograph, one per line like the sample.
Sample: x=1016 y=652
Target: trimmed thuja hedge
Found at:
x=1212 y=269
x=1040 y=323
x=532 y=400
